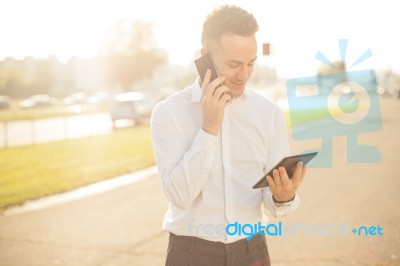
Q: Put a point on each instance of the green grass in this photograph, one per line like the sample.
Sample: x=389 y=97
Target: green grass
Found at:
x=305 y=116
x=35 y=171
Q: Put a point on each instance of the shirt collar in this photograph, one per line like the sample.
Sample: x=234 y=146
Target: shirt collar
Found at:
x=196 y=92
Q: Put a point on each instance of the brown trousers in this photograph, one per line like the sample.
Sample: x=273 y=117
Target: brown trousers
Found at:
x=193 y=251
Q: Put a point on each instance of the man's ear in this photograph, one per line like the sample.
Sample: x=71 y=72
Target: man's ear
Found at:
x=203 y=51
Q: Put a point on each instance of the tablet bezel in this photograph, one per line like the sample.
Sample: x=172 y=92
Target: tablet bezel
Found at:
x=289 y=162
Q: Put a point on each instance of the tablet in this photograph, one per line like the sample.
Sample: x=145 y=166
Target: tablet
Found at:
x=289 y=162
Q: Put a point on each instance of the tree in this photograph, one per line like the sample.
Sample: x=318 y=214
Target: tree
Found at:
x=12 y=78
x=44 y=77
x=23 y=78
x=131 y=55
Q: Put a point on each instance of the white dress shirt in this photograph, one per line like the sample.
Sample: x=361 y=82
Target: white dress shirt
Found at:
x=208 y=179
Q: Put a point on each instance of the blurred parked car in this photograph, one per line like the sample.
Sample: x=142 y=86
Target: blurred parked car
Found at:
x=40 y=100
x=75 y=98
x=5 y=102
x=99 y=97
x=135 y=107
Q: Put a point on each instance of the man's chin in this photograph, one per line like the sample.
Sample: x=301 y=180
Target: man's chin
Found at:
x=236 y=91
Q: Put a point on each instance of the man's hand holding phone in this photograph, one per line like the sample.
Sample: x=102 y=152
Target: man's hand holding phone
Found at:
x=214 y=97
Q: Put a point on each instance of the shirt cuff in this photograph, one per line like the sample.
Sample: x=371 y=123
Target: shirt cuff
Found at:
x=284 y=210
x=204 y=140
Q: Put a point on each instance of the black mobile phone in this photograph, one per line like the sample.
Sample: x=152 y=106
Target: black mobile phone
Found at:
x=205 y=62
x=289 y=162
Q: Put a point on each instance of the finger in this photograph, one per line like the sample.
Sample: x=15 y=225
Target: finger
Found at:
x=271 y=182
x=205 y=82
x=225 y=98
x=215 y=84
x=277 y=178
x=303 y=174
x=220 y=91
x=298 y=169
x=298 y=174
x=284 y=176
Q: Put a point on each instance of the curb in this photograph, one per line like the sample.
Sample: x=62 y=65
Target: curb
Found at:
x=82 y=192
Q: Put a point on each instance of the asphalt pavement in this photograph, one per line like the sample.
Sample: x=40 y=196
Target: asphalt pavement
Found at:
x=122 y=226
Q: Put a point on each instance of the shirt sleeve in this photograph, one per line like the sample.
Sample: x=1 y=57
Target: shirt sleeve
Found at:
x=183 y=170
x=279 y=211
x=278 y=147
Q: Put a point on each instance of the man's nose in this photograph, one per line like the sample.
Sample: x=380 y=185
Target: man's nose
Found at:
x=243 y=73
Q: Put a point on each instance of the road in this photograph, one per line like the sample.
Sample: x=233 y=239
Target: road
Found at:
x=123 y=226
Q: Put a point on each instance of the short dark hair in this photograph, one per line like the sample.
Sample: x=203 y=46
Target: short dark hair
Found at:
x=227 y=19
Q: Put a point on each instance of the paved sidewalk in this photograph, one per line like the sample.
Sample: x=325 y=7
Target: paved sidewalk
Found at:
x=122 y=226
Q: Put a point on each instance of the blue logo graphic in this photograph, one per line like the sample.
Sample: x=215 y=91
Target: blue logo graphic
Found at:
x=281 y=230
x=342 y=103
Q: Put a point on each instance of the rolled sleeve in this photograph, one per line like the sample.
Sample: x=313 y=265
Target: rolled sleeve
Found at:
x=183 y=170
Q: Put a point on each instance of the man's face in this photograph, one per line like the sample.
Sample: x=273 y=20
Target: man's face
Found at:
x=234 y=56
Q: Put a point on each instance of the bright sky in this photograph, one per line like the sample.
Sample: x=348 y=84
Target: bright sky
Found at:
x=296 y=29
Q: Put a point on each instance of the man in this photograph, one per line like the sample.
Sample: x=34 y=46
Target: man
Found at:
x=212 y=144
